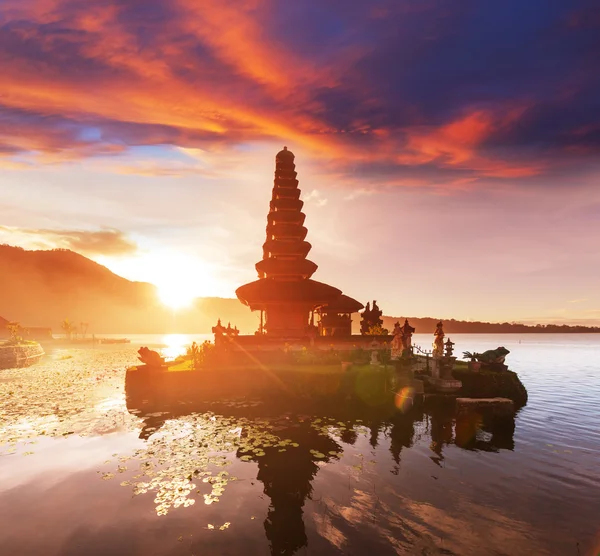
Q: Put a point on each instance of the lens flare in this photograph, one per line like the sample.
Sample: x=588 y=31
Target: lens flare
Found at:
x=404 y=399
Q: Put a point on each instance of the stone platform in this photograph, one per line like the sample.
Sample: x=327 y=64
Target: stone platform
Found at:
x=445 y=385
x=495 y=407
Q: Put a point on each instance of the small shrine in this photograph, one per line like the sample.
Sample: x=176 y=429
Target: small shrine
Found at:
x=449 y=348
x=335 y=318
x=371 y=318
x=224 y=334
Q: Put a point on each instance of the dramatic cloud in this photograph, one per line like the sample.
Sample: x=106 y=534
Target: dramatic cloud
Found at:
x=91 y=243
x=404 y=92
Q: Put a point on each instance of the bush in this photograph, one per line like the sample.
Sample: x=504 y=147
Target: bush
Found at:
x=359 y=356
x=305 y=357
x=384 y=355
x=199 y=355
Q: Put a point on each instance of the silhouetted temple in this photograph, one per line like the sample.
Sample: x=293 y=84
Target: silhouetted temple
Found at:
x=284 y=293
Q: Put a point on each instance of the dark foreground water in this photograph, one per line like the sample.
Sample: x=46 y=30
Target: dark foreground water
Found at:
x=91 y=465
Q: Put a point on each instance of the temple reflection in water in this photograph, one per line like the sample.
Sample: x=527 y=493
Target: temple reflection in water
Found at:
x=288 y=476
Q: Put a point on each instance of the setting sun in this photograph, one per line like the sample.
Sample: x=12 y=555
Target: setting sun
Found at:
x=179 y=277
x=177 y=295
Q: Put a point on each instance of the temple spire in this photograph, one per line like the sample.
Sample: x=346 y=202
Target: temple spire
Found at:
x=284 y=291
x=285 y=251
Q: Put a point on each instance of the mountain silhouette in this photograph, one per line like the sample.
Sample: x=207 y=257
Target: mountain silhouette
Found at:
x=42 y=288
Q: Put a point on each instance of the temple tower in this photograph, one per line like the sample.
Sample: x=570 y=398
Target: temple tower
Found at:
x=284 y=292
x=285 y=251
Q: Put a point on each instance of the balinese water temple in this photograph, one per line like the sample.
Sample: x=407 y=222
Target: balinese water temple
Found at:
x=293 y=307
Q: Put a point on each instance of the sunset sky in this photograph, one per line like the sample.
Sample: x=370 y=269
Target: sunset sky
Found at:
x=447 y=152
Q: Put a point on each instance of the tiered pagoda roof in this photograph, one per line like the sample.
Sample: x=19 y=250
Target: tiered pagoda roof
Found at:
x=284 y=271
x=285 y=251
x=343 y=304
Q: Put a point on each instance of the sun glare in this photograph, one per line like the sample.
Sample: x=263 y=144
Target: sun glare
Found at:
x=180 y=282
x=176 y=295
x=179 y=278
x=175 y=345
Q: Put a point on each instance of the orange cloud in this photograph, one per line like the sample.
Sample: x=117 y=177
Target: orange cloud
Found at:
x=210 y=75
x=103 y=242
x=458 y=143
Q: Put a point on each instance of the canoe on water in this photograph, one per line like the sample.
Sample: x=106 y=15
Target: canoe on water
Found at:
x=20 y=355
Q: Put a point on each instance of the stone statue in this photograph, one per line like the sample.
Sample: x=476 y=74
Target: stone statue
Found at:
x=407 y=332
x=492 y=359
x=374 y=358
x=443 y=364
x=150 y=358
x=438 y=342
x=397 y=342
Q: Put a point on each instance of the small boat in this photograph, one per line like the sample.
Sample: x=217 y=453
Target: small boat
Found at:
x=114 y=341
x=20 y=355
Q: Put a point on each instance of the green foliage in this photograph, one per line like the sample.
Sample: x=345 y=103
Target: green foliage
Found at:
x=194 y=353
x=377 y=330
x=14 y=331
x=315 y=357
x=359 y=356
x=199 y=355
x=305 y=357
x=384 y=355
x=330 y=356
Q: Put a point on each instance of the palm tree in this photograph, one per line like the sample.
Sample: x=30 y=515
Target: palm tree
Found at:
x=68 y=328
x=195 y=354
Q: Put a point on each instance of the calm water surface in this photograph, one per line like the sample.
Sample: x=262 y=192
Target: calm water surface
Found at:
x=90 y=464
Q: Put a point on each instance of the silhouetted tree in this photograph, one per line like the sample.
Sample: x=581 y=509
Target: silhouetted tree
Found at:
x=68 y=328
x=377 y=330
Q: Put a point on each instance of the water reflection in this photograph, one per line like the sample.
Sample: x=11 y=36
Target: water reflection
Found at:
x=174 y=345
x=291 y=435
x=66 y=424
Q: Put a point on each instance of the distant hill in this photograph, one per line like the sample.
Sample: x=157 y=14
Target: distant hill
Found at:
x=426 y=325
x=42 y=288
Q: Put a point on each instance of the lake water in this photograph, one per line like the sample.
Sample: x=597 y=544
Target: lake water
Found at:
x=89 y=466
